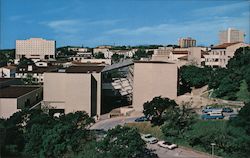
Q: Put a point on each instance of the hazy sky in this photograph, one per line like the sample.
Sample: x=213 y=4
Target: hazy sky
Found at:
x=121 y=22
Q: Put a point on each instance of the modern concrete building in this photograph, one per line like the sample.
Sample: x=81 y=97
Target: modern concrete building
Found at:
x=187 y=42
x=13 y=98
x=231 y=36
x=221 y=54
x=196 y=55
x=152 y=79
x=76 y=88
x=35 y=48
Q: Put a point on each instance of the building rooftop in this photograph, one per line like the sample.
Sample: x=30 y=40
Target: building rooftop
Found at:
x=10 y=67
x=16 y=91
x=156 y=62
x=224 y=45
x=36 y=69
x=84 y=69
x=184 y=52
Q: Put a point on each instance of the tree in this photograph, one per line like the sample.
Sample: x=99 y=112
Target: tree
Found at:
x=99 y=55
x=178 y=120
x=122 y=142
x=156 y=107
x=116 y=57
x=140 y=53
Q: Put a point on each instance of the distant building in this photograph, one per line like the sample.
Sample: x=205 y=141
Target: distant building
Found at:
x=221 y=54
x=231 y=36
x=152 y=79
x=187 y=42
x=91 y=61
x=196 y=55
x=13 y=98
x=35 y=48
x=8 y=71
x=35 y=71
x=76 y=88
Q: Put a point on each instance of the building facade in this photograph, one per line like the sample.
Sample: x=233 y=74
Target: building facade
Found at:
x=77 y=88
x=35 y=48
x=221 y=54
x=231 y=35
x=187 y=42
x=152 y=79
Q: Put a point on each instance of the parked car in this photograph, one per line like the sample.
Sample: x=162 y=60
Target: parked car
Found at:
x=167 y=145
x=207 y=110
x=141 y=119
x=209 y=117
x=232 y=116
x=227 y=110
x=148 y=138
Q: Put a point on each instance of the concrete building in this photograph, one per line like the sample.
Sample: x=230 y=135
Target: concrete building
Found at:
x=13 y=98
x=8 y=71
x=231 y=36
x=196 y=55
x=91 y=61
x=76 y=88
x=221 y=54
x=151 y=79
x=187 y=42
x=35 y=48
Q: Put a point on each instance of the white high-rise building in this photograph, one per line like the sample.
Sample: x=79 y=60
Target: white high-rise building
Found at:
x=35 y=48
x=231 y=35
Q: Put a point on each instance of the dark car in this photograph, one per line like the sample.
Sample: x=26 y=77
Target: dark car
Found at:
x=141 y=119
x=227 y=110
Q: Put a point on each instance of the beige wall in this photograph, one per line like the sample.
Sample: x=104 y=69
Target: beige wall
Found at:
x=8 y=106
x=71 y=91
x=153 y=79
x=35 y=48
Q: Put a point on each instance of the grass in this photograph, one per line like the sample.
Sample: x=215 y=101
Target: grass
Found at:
x=146 y=127
x=243 y=94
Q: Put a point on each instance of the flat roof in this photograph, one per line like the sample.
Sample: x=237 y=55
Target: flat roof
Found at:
x=154 y=62
x=16 y=91
x=84 y=69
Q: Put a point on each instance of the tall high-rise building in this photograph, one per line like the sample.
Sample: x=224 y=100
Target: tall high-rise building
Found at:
x=187 y=42
x=231 y=36
x=35 y=48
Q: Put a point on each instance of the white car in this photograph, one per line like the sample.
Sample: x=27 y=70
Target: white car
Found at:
x=148 y=138
x=166 y=144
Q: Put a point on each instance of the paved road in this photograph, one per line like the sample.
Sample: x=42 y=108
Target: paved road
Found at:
x=161 y=152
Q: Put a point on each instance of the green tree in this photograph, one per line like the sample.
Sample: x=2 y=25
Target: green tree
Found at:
x=122 y=142
x=140 y=53
x=178 y=121
x=99 y=55
x=156 y=107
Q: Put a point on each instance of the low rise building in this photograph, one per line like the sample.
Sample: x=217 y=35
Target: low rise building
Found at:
x=76 y=88
x=221 y=54
x=14 y=98
x=8 y=71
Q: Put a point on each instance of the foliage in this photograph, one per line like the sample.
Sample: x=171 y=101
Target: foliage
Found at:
x=155 y=108
x=178 y=121
x=33 y=133
x=141 y=53
x=192 y=76
x=99 y=55
x=122 y=142
x=25 y=61
x=6 y=55
x=116 y=57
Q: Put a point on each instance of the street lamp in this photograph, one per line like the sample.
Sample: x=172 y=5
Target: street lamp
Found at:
x=213 y=144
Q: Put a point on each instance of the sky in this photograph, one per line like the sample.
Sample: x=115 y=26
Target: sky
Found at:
x=121 y=22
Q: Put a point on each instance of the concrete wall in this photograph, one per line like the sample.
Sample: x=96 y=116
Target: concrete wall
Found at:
x=72 y=91
x=8 y=106
x=153 y=79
